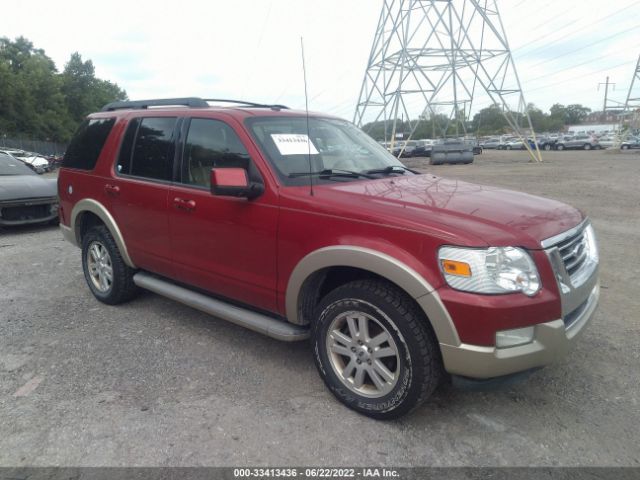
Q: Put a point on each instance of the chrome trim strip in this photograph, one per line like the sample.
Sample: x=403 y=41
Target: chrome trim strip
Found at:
x=271 y=327
x=551 y=241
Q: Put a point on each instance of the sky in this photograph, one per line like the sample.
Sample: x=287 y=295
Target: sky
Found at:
x=250 y=49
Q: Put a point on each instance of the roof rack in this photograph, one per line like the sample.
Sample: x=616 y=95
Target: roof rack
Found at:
x=191 y=102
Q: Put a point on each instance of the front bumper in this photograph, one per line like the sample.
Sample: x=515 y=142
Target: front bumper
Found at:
x=551 y=342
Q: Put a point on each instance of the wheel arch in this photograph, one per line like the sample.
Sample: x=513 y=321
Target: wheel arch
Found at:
x=311 y=272
x=88 y=209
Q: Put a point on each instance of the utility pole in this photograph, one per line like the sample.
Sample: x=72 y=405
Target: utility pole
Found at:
x=606 y=97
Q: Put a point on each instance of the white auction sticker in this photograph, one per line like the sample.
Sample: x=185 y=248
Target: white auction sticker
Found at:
x=294 y=144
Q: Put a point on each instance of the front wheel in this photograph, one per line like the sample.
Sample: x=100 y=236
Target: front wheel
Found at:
x=547 y=147
x=625 y=147
x=375 y=350
x=560 y=147
x=587 y=146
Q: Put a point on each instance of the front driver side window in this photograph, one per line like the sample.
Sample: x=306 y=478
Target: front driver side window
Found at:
x=209 y=144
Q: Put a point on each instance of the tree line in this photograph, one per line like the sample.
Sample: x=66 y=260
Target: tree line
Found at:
x=488 y=121
x=39 y=102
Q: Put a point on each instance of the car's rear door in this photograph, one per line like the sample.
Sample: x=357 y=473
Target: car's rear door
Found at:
x=224 y=245
x=139 y=189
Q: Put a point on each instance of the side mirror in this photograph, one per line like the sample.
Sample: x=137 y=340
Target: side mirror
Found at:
x=234 y=182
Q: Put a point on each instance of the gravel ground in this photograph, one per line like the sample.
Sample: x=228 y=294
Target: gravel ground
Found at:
x=156 y=383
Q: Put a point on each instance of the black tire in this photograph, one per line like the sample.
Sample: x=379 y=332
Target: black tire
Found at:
x=122 y=288
x=547 y=147
x=560 y=147
x=625 y=147
x=418 y=365
x=587 y=146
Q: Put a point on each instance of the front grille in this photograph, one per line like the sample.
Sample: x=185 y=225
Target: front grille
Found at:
x=573 y=252
x=25 y=212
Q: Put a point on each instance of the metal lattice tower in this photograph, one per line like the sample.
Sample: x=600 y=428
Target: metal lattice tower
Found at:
x=631 y=113
x=441 y=57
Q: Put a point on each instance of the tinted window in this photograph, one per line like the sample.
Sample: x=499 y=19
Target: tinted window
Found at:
x=210 y=143
x=126 y=149
x=12 y=166
x=87 y=143
x=153 y=150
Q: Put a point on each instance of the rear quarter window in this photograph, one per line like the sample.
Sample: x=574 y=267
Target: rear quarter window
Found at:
x=87 y=143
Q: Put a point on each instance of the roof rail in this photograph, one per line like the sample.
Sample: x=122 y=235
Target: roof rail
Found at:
x=247 y=104
x=191 y=102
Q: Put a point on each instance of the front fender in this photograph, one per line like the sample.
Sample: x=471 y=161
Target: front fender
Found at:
x=381 y=264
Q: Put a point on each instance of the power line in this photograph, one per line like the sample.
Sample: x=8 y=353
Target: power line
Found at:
x=584 y=27
x=584 y=46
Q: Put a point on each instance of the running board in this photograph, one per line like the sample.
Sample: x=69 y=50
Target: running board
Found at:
x=271 y=327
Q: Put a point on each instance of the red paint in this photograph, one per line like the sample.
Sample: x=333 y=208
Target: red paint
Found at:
x=245 y=250
x=229 y=177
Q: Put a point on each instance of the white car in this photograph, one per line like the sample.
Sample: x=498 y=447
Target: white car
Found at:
x=33 y=160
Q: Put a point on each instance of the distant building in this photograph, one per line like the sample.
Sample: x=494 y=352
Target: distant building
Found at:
x=594 y=128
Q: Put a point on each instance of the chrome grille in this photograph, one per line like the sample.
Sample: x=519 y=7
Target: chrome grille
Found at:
x=573 y=252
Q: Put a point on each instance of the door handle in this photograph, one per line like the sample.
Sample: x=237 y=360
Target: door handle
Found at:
x=183 y=204
x=112 y=189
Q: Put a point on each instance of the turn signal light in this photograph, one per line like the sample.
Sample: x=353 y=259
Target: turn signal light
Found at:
x=460 y=269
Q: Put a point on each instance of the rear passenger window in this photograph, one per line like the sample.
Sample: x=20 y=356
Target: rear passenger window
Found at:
x=210 y=143
x=87 y=143
x=148 y=148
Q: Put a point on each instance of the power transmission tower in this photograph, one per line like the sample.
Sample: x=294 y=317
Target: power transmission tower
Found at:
x=441 y=57
x=631 y=112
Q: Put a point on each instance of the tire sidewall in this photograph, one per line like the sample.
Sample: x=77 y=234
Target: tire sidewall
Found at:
x=96 y=235
x=395 y=402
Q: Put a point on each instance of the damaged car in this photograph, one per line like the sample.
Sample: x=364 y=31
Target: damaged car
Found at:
x=25 y=197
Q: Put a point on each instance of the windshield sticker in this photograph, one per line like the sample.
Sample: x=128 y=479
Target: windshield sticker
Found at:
x=294 y=144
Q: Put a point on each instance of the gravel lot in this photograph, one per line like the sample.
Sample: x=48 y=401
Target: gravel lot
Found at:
x=153 y=382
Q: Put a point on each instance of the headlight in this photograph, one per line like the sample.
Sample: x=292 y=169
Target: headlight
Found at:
x=491 y=270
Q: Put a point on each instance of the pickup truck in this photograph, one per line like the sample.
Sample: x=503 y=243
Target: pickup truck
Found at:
x=300 y=226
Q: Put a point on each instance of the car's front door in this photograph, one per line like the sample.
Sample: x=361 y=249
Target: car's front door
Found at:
x=224 y=245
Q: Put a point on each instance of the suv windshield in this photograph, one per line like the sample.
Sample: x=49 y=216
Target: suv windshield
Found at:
x=11 y=166
x=335 y=145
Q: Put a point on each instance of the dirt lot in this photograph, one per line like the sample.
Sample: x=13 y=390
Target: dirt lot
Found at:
x=156 y=383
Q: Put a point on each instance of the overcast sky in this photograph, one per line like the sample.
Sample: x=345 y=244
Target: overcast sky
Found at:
x=250 y=49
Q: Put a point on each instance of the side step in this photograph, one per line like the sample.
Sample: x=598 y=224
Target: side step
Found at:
x=271 y=327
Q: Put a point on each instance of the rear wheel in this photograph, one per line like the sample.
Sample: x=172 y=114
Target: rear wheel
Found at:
x=374 y=349
x=625 y=147
x=108 y=276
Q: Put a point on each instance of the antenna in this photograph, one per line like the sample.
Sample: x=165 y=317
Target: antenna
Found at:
x=306 y=108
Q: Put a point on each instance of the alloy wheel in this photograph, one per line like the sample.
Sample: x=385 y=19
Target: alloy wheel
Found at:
x=100 y=267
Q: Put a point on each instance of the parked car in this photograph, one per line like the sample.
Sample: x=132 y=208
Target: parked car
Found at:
x=631 y=142
x=584 y=142
x=297 y=227
x=37 y=163
x=423 y=148
x=24 y=196
x=404 y=149
x=547 y=143
x=491 y=144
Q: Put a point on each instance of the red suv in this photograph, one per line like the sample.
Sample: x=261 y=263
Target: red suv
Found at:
x=301 y=226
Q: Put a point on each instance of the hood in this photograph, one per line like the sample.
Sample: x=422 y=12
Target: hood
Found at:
x=474 y=214
x=13 y=187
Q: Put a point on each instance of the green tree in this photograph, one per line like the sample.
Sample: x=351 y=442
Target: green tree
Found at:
x=37 y=101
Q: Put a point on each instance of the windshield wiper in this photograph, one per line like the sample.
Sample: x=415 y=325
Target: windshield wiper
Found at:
x=332 y=172
x=390 y=169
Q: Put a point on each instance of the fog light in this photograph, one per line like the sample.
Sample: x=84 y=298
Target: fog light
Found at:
x=513 y=338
